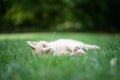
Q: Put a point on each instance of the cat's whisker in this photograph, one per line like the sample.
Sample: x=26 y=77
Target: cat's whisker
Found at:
x=53 y=36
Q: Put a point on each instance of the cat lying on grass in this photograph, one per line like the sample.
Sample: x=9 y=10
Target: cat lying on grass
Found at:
x=60 y=47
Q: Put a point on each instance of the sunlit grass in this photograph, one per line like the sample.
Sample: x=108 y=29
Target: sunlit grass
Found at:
x=18 y=63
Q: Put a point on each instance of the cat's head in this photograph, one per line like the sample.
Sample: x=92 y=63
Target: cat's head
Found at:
x=38 y=47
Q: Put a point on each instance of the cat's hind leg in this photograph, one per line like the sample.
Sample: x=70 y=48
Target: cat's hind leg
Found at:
x=77 y=50
x=80 y=51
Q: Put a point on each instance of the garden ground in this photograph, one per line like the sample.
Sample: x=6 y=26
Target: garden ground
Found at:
x=18 y=63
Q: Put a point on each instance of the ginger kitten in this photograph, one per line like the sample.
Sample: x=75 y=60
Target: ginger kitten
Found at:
x=60 y=47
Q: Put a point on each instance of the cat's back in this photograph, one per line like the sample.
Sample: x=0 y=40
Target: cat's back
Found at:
x=63 y=42
x=67 y=41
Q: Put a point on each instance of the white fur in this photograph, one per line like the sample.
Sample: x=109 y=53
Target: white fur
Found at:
x=61 y=46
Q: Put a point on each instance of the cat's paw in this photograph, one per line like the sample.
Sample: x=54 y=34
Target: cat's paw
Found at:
x=80 y=51
x=76 y=49
x=48 y=50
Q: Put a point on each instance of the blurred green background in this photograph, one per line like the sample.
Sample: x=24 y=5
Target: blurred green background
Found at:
x=59 y=15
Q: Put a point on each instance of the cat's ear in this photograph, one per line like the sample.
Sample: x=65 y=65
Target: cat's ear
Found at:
x=32 y=44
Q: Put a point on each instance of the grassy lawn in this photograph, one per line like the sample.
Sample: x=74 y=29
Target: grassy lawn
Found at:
x=18 y=63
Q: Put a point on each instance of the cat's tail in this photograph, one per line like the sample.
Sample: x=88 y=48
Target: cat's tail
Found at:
x=88 y=47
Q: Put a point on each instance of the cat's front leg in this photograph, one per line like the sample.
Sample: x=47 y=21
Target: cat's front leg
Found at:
x=51 y=50
x=47 y=50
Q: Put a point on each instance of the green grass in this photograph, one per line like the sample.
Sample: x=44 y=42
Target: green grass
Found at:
x=18 y=63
